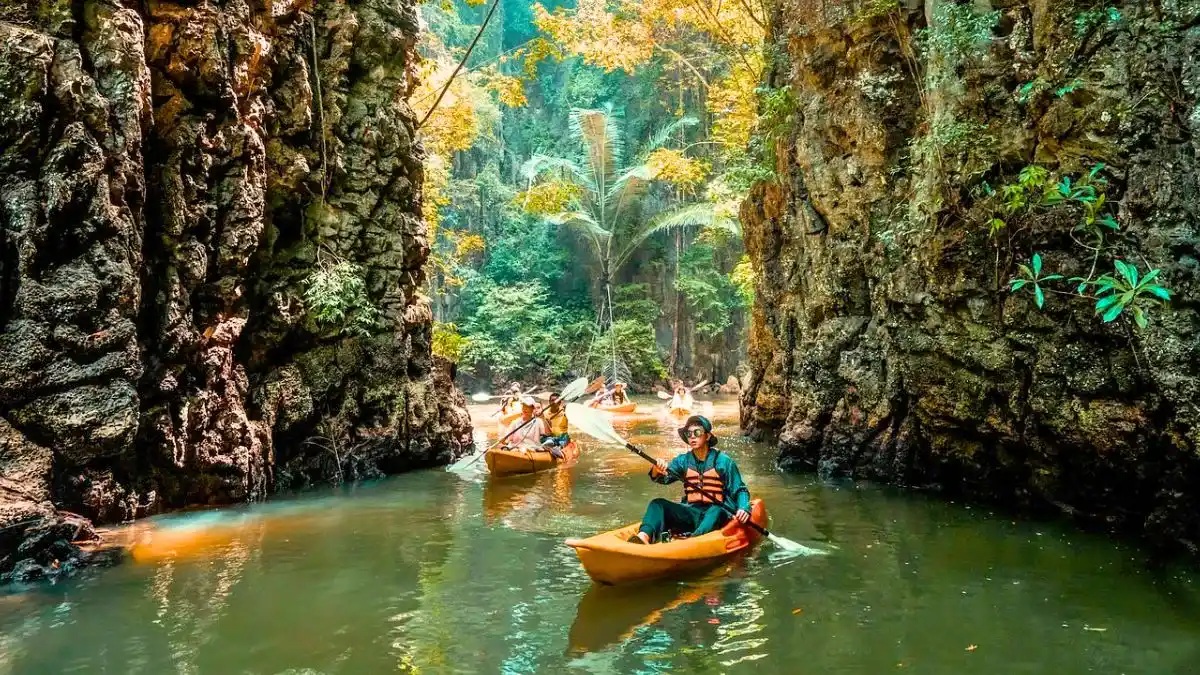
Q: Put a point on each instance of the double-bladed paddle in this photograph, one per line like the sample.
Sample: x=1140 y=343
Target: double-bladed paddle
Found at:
x=595 y=423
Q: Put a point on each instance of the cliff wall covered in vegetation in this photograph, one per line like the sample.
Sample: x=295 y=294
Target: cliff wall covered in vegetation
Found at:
x=977 y=267
x=211 y=255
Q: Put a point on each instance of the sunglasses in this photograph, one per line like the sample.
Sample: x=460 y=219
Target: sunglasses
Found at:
x=695 y=432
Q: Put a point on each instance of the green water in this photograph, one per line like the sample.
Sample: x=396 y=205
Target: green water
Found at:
x=438 y=573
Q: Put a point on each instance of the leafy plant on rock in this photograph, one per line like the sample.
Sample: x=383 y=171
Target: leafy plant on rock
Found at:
x=335 y=295
x=1034 y=279
x=1127 y=291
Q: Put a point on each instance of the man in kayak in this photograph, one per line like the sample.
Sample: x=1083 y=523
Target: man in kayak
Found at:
x=708 y=475
x=555 y=416
x=618 y=395
x=527 y=430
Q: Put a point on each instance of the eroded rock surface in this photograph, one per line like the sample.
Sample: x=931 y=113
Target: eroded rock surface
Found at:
x=170 y=175
x=887 y=344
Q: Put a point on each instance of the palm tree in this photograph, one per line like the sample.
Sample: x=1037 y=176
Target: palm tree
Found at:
x=604 y=190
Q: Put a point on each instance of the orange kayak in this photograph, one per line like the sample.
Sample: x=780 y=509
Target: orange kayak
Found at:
x=680 y=412
x=610 y=559
x=627 y=407
x=508 y=462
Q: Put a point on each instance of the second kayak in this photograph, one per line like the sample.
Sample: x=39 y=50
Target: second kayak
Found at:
x=508 y=462
x=610 y=558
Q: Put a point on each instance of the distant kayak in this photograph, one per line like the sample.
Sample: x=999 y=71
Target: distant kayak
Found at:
x=508 y=462
x=626 y=407
x=680 y=412
x=610 y=558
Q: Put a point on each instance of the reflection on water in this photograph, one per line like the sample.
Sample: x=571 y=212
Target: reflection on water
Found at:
x=442 y=573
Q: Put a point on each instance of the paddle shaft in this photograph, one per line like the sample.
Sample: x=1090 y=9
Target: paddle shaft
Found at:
x=711 y=496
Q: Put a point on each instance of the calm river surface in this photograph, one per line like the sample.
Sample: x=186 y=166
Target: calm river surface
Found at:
x=434 y=572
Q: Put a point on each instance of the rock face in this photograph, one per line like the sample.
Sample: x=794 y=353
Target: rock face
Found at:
x=887 y=344
x=171 y=176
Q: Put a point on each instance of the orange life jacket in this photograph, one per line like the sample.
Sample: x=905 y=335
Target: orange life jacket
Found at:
x=710 y=482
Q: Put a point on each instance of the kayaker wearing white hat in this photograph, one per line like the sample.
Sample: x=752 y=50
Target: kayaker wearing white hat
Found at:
x=531 y=435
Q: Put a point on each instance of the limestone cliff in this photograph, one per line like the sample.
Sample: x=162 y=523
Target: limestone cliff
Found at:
x=172 y=175
x=922 y=154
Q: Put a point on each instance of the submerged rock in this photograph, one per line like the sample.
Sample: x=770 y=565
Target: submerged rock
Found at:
x=171 y=177
x=888 y=345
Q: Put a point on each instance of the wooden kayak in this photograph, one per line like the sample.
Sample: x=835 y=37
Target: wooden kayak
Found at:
x=627 y=407
x=610 y=558
x=508 y=462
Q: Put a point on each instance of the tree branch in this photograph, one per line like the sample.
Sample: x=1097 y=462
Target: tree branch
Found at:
x=482 y=27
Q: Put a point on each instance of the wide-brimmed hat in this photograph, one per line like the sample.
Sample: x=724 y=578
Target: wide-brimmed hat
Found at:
x=702 y=421
x=528 y=400
x=619 y=385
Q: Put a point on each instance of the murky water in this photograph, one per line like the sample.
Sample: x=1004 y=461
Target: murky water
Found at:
x=437 y=573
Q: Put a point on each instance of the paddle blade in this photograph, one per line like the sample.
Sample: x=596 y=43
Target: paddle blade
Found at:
x=663 y=395
x=596 y=385
x=793 y=548
x=594 y=423
x=465 y=462
x=575 y=389
x=480 y=397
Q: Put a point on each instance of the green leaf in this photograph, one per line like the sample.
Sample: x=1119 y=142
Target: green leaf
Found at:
x=1112 y=313
x=1150 y=276
x=1122 y=268
x=1158 y=292
x=1106 y=302
x=1041 y=298
x=1095 y=170
x=1051 y=277
x=1109 y=222
x=1133 y=275
x=1026 y=271
x=1037 y=264
x=1139 y=318
x=1017 y=284
x=1081 y=288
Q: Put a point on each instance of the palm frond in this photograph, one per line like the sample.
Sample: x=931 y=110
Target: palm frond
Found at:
x=704 y=214
x=660 y=137
x=581 y=221
x=627 y=187
x=599 y=134
x=539 y=164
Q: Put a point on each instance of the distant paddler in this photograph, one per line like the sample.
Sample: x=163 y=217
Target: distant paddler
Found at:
x=619 y=397
x=682 y=401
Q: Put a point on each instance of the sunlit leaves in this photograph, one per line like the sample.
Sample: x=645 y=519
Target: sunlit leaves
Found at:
x=674 y=167
x=510 y=90
x=549 y=198
x=601 y=37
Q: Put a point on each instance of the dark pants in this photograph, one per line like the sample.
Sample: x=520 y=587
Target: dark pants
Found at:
x=555 y=444
x=664 y=515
